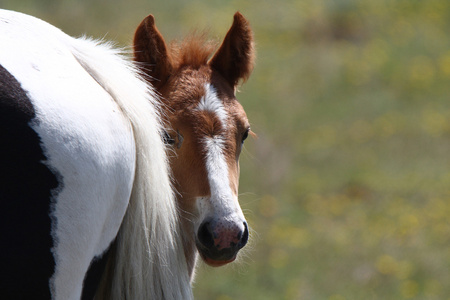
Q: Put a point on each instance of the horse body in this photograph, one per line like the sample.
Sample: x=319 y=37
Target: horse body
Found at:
x=85 y=189
x=85 y=138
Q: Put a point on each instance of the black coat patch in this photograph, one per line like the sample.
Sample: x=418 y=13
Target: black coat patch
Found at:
x=26 y=185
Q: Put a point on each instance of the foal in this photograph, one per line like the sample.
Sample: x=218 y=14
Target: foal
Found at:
x=206 y=129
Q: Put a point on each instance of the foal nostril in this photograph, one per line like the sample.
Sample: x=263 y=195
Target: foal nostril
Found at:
x=243 y=237
x=205 y=235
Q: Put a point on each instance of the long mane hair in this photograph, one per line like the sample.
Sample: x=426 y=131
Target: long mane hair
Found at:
x=147 y=260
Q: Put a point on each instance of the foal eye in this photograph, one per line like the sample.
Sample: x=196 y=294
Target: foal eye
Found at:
x=168 y=140
x=245 y=136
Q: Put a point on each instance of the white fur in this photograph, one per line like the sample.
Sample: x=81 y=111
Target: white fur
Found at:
x=211 y=102
x=223 y=203
x=100 y=130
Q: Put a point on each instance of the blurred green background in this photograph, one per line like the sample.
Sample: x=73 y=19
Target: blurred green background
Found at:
x=347 y=187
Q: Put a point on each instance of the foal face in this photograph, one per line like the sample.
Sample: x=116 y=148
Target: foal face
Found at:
x=207 y=128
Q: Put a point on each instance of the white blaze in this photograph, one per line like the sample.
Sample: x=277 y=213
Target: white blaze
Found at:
x=211 y=103
x=217 y=168
x=222 y=201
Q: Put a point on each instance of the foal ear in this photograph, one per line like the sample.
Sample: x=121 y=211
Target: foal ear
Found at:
x=235 y=57
x=150 y=51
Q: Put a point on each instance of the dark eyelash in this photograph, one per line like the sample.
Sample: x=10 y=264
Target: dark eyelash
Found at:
x=245 y=136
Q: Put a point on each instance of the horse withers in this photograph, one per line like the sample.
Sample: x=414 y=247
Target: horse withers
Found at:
x=86 y=200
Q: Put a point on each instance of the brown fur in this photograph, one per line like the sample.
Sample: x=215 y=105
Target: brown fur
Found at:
x=193 y=51
x=235 y=57
x=151 y=51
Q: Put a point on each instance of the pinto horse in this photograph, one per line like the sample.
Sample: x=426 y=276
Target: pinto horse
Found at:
x=115 y=174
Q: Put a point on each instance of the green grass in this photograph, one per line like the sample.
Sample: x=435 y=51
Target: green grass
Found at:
x=347 y=188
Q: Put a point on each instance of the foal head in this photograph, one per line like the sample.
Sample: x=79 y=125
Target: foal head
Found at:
x=207 y=129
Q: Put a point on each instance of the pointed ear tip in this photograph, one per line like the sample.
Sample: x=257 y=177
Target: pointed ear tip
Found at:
x=150 y=20
x=238 y=17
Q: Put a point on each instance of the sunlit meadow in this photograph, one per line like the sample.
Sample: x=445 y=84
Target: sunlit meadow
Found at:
x=347 y=187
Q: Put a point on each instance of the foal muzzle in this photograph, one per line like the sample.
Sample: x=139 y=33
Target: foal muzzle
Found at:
x=219 y=241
